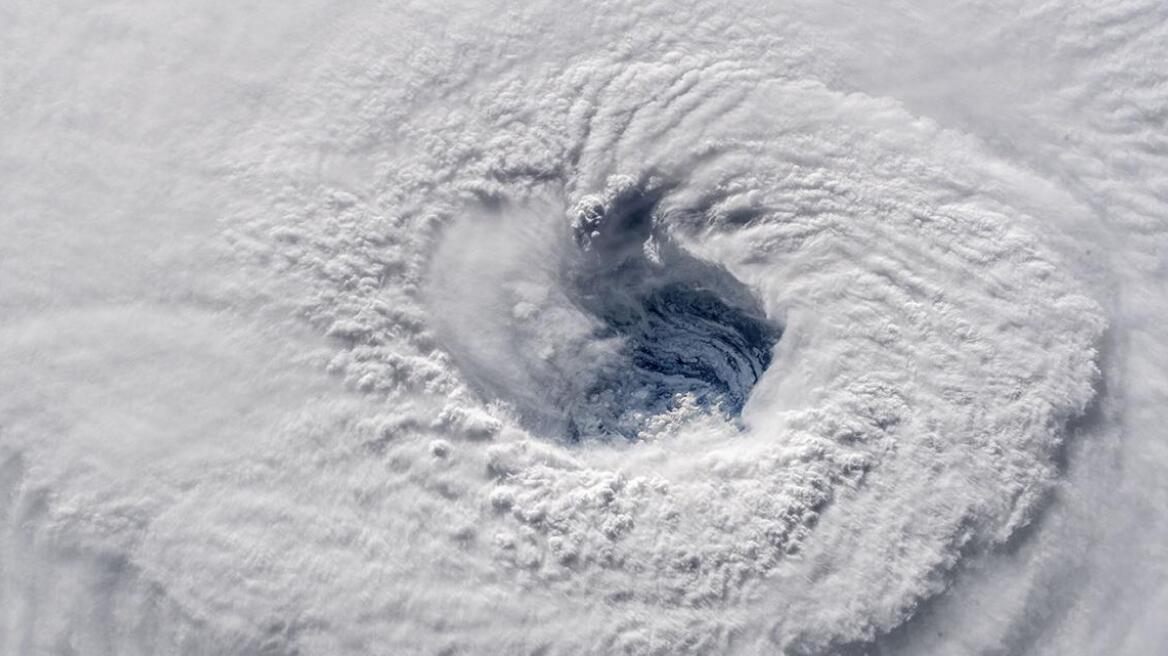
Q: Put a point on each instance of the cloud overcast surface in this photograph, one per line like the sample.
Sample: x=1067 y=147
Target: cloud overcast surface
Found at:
x=642 y=328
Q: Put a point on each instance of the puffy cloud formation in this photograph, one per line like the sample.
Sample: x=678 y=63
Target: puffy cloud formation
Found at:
x=639 y=328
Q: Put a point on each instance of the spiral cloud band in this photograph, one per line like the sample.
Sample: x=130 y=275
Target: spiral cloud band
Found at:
x=627 y=328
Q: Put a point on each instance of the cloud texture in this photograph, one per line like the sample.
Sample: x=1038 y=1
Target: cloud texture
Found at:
x=325 y=331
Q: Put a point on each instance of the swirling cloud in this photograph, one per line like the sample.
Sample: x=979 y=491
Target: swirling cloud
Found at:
x=634 y=329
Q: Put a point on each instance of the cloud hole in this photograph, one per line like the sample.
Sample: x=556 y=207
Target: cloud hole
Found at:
x=595 y=331
x=688 y=331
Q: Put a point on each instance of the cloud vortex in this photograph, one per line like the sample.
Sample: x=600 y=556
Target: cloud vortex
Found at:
x=646 y=330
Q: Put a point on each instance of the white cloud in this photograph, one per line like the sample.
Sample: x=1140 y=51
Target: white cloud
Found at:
x=301 y=300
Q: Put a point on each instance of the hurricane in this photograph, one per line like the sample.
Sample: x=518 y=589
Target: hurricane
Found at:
x=458 y=327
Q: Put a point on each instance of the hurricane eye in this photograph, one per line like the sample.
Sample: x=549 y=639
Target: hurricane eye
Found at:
x=678 y=341
x=685 y=331
x=601 y=330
